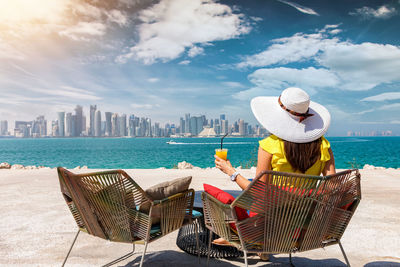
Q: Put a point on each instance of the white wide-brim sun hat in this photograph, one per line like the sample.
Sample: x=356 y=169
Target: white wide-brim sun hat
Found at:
x=285 y=119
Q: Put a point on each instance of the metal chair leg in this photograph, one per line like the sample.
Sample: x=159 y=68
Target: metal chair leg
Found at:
x=209 y=247
x=290 y=260
x=112 y=263
x=144 y=252
x=245 y=258
x=197 y=239
x=344 y=254
x=76 y=236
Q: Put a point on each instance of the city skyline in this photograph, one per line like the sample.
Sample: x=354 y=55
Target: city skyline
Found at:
x=162 y=58
x=69 y=124
x=120 y=125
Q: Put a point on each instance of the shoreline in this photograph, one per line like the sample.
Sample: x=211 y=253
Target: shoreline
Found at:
x=180 y=166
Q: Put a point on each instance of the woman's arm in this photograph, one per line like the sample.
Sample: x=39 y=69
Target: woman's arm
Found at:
x=330 y=165
x=263 y=163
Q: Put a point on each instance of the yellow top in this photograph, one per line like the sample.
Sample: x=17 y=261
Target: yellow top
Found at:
x=275 y=146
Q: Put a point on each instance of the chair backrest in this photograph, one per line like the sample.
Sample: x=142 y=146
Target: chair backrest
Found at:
x=103 y=203
x=296 y=212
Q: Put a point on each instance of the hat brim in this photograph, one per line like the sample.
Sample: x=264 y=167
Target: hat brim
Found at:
x=287 y=126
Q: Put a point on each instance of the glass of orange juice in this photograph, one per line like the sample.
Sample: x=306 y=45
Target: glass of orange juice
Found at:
x=221 y=153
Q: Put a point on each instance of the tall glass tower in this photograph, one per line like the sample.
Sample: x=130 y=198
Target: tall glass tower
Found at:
x=61 y=124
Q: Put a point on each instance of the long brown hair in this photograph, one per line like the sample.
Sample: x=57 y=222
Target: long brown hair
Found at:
x=302 y=156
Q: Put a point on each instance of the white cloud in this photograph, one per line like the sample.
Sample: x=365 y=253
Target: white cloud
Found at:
x=67 y=91
x=300 y=8
x=331 y=26
x=171 y=26
x=84 y=29
x=195 y=50
x=7 y=51
x=273 y=80
x=395 y=106
x=233 y=84
x=383 y=12
x=145 y=106
x=117 y=17
x=358 y=66
x=153 y=80
x=290 y=49
x=86 y=10
x=184 y=62
x=380 y=122
x=362 y=66
x=391 y=107
x=256 y=19
x=338 y=113
x=383 y=97
x=335 y=31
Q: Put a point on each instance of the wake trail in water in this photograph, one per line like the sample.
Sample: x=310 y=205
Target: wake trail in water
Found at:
x=216 y=143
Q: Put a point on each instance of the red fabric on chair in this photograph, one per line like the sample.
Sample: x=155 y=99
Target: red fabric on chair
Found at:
x=225 y=198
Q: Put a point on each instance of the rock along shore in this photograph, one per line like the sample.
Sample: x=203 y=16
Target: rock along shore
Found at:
x=180 y=166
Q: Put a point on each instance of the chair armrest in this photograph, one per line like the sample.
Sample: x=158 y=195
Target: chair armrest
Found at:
x=173 y=210
x=218 y=216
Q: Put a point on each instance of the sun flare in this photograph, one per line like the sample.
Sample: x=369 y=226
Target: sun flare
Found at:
x=32 y=11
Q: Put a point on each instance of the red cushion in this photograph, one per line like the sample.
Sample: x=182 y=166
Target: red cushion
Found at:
x=252 y=214
x=225 y=198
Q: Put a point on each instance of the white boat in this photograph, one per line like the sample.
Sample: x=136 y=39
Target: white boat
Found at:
x=171 y=142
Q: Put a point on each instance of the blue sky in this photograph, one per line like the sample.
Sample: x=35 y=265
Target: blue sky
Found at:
x=162 y=59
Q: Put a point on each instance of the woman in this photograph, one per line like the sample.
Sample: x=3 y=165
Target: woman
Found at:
x=296 y=143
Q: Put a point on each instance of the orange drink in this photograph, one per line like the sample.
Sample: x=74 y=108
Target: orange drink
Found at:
x=222 y=153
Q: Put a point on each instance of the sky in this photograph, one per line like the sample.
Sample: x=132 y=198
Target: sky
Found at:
x=162 y=59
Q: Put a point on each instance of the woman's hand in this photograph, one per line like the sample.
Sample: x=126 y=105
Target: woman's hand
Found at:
x=224 y=165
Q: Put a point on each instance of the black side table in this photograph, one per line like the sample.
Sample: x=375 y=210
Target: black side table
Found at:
x=186 y=241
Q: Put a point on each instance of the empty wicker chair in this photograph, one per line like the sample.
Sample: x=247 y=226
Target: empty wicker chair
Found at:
x=105 y=204
x=290 y=213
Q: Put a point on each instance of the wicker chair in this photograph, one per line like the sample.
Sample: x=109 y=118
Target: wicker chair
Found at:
x=291 y=212
x=104 y=204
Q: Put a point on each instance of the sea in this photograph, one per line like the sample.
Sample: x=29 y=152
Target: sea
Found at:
x=152 y=153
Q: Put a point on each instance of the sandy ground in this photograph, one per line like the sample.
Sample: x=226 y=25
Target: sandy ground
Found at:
x=37 y=229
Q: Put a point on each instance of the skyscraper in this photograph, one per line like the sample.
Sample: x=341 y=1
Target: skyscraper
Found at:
x=39 y=127
x=157 y=132
x=148 y=127
x=217 y=127
x=115 y=125
x=122 y=125
x=3 y=127
x=92 y=120
x=224 y=127
x=193 y=126
x=131 y=125
x=222 y=117
x=84 y=130
x=97 y=124
x=78 y=121
x=108 y=124
x=22 y=128
x=54 y=128
x=200 y=124
x=187 y=123
x=242 y=129
x=181 y=125
x=73 y=125
x=61 y=124
x=68 y=124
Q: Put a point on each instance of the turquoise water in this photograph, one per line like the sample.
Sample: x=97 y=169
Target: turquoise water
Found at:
x=146 y=153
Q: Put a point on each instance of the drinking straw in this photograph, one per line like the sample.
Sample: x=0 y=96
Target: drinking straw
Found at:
x=222 y=139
